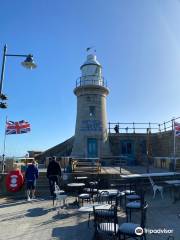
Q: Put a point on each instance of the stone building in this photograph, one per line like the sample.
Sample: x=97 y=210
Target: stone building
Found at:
x=92 y=139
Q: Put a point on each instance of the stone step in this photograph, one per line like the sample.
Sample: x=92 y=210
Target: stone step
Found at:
x=86 y=164
x=86 y=169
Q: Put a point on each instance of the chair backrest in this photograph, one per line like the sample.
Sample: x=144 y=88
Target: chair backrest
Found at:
x=151 y=181
x=131 y=187
x=143 y=214
x=103 y=197
x=103 y=219
x=94 y=184
x=56 y=189
x=141 y=192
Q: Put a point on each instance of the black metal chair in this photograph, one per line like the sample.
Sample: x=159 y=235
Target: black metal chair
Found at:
x=133 y=206
x=106 y=223
x=92 y=187
x=103 y=197
x=129 y=188
x=87 y=196
x=133 y=230
x=132 y=193
x=115 y=197
x=120 y=196
x=89 y=192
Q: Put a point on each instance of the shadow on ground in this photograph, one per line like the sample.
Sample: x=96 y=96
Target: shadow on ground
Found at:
x=36 y=212
x=79 y=231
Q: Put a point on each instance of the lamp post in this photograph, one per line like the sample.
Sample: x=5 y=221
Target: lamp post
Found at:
x=27 y=63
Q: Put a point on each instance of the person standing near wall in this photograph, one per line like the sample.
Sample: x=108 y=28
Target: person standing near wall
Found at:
x=31 y=176
x=53 y=174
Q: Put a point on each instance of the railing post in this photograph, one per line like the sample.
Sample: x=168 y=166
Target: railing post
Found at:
x=172 y=124
x=149 y=126
x=159 y=127
x=164 y=126
x=148 y=150
x=126 y=129
x=133 y=127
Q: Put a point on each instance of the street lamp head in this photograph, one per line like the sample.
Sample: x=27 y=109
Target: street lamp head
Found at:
x=3 y=105
x=3 y=97
x=29 y=62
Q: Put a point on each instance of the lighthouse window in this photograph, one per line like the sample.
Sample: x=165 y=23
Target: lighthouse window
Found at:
x=92 y=111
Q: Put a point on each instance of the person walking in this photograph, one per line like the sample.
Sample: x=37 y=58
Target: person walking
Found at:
x=53 y=174
x=31 y=175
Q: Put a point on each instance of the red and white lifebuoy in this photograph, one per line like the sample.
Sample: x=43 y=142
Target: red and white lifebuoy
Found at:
x=14 y=180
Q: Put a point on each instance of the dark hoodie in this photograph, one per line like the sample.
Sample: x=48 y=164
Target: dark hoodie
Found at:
x=53 y=169
x=31 y=173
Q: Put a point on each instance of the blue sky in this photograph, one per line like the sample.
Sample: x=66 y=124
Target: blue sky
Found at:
x=137 y=43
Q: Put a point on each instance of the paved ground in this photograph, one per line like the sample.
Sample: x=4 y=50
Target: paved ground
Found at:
x=38 y=220
x=131 y=170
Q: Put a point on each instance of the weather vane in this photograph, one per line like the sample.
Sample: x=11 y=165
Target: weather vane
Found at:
x=91 y=48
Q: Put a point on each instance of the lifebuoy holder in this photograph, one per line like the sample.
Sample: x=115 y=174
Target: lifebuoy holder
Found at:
x=14 y=180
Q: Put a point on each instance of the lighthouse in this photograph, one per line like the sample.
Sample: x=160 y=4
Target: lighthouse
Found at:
x=91 y=135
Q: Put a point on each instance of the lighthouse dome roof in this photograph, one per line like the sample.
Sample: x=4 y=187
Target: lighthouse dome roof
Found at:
x=91 y=60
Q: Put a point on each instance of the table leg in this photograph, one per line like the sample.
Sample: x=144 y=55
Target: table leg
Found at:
x=89 y=218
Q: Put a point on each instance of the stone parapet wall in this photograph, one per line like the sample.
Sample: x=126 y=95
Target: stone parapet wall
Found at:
x=160 y=144
x=137 y=139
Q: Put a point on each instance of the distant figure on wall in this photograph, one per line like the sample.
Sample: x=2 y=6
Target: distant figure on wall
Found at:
x=31 y=176
x=116 y=128
x=53 y=174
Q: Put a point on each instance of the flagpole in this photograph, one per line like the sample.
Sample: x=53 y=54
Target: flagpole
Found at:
x=4 y=148
x=174 y=151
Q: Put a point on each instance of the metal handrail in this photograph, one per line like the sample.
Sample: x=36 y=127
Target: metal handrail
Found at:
x=82 y=81
x=162 y=127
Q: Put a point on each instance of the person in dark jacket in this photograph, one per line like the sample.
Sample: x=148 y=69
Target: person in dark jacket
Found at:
x=31 y=176
x=53 y=174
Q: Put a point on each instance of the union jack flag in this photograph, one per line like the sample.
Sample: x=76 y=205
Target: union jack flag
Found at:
x=177 y=128
x=17 y=127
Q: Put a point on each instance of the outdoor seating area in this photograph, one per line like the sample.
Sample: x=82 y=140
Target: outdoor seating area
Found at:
x=99 y=206
x=122 y=212
x=88 y=210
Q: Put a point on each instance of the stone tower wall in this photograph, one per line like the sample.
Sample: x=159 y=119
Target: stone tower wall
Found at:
x=91 y=126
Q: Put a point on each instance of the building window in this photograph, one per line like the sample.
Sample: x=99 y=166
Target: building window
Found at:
x=127 y=148
x=92 y=111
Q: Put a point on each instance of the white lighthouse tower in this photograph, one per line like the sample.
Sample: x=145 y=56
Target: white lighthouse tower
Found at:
x=91 y=136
